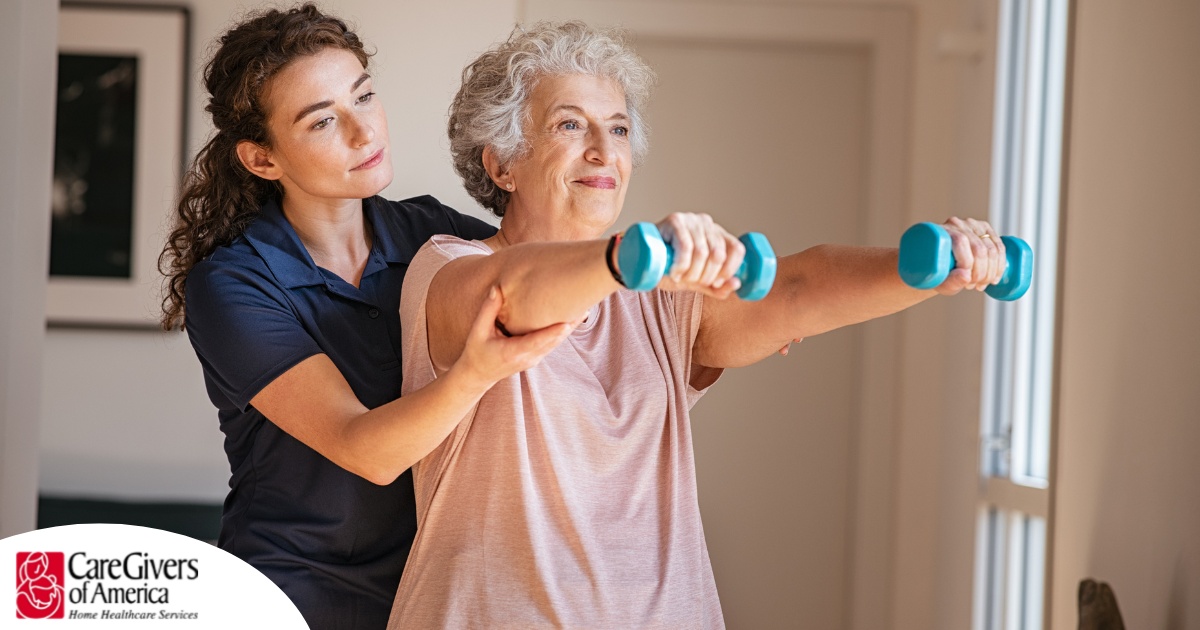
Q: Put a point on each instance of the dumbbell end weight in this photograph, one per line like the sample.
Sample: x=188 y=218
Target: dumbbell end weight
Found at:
x=925 y=256
x=757 y=272
x=1018 y=274
x=926 y=259
x=644 y=258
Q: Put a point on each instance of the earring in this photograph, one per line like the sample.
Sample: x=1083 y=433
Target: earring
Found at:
x=509 y=186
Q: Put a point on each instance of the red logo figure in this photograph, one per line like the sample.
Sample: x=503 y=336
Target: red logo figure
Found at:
x=40 y=585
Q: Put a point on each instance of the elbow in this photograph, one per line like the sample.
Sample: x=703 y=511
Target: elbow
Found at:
x=801 y=296
x=376 y=472
x=380 y=475
x=362 y=452
x=383 y=479
x=519 y=312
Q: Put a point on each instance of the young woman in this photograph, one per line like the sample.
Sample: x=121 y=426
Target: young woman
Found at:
x=285 y=268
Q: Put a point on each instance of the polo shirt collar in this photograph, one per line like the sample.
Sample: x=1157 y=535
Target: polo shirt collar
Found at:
x=387 y=244
x=280 y=247
x=285 y=255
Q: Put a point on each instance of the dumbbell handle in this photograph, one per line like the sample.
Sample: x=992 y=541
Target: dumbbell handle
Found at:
x=644 y=258
x=927 y=258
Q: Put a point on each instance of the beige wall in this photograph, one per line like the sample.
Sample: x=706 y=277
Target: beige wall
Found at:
x=774 y=441
x=1128 y=494
x=27 y=46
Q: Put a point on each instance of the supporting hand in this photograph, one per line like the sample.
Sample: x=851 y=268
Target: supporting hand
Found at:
x=489 y=355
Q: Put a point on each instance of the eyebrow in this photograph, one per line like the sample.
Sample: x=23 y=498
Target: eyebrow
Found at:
x=323 y=104
x=576 y=109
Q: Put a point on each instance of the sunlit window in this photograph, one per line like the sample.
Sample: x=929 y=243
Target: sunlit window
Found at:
x=1019 y=351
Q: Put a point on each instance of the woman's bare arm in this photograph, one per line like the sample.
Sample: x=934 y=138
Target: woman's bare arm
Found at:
x=548 y=282
x=313 y=402
x=830 y=286
x=541 y=284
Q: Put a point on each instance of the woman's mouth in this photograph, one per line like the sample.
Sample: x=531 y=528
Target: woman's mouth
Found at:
x=372 y=161
x=608 y=183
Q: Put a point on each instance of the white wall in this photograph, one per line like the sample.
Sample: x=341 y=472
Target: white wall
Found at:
x=1127 y=504
x=933 y=496
x=27 y=46
x=774 y=442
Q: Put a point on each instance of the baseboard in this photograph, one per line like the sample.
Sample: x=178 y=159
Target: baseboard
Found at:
x=201 y=521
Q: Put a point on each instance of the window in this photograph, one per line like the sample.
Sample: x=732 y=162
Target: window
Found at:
x=1014 y=509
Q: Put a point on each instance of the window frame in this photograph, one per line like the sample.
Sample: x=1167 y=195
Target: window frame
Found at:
x=1014 y=530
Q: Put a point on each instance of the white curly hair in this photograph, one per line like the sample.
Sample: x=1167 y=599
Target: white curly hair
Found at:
x=490 y=108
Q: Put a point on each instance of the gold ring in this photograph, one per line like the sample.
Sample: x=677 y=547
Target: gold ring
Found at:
x=985 y=235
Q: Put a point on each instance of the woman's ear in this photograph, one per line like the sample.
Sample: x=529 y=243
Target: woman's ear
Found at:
x=257 y=160
x=499 y=174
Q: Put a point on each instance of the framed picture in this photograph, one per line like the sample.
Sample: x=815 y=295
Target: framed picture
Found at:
x=118 y=158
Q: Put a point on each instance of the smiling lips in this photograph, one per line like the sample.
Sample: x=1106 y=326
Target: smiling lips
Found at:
x=371 y=161
x=598 y=182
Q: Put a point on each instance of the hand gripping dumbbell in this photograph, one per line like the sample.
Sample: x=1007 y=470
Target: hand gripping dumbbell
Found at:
x=926 y=258
x=643 y=258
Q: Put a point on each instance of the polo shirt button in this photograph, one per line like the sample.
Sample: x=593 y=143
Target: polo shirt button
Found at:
x=373 y=313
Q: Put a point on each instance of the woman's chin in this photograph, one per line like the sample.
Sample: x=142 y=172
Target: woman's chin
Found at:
x=601 y=217
x=375 y=185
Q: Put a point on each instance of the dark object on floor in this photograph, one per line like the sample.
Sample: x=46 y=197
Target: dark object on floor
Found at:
x=198 y=520
x=1098 y=607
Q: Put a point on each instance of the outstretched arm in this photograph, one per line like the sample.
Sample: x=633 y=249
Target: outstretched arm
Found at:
x=830 y=286
x=544 y=283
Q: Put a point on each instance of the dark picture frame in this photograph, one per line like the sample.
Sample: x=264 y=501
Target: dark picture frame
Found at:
x=119 y=155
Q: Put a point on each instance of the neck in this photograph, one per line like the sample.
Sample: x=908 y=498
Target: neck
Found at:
x=334 y=232
x=515 y=228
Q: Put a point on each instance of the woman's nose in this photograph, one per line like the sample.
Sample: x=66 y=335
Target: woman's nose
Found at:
x=601 y=147
x=362 y=132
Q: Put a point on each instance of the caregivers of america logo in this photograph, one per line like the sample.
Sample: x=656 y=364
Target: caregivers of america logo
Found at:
x=133 y=586
x=82 y=575
x=39 y=585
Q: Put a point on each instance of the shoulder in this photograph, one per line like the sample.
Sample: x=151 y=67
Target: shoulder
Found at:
x=418 y=218
x=236 y=263
x=444 y=248
x=241 y=258
x=234 y=278
x=437 y=252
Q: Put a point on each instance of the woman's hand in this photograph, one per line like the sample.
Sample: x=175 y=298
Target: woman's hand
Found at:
x=490 y=356
x=706 y=256
x=978 y=254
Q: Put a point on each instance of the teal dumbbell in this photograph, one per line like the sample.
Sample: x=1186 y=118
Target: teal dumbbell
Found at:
x=926 y=259
x=644 y=259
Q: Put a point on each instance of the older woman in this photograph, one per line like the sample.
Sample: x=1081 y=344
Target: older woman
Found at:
x=567 y=498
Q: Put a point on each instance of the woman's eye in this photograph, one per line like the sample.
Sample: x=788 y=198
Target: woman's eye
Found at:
x=365 y=97
x=570 y=125
x=323 y=123
x=621 y=131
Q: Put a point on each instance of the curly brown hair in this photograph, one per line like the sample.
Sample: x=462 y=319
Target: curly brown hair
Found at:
x=219 y=198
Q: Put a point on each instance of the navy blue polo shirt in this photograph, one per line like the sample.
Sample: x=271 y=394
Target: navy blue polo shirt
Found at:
x=334 y=542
